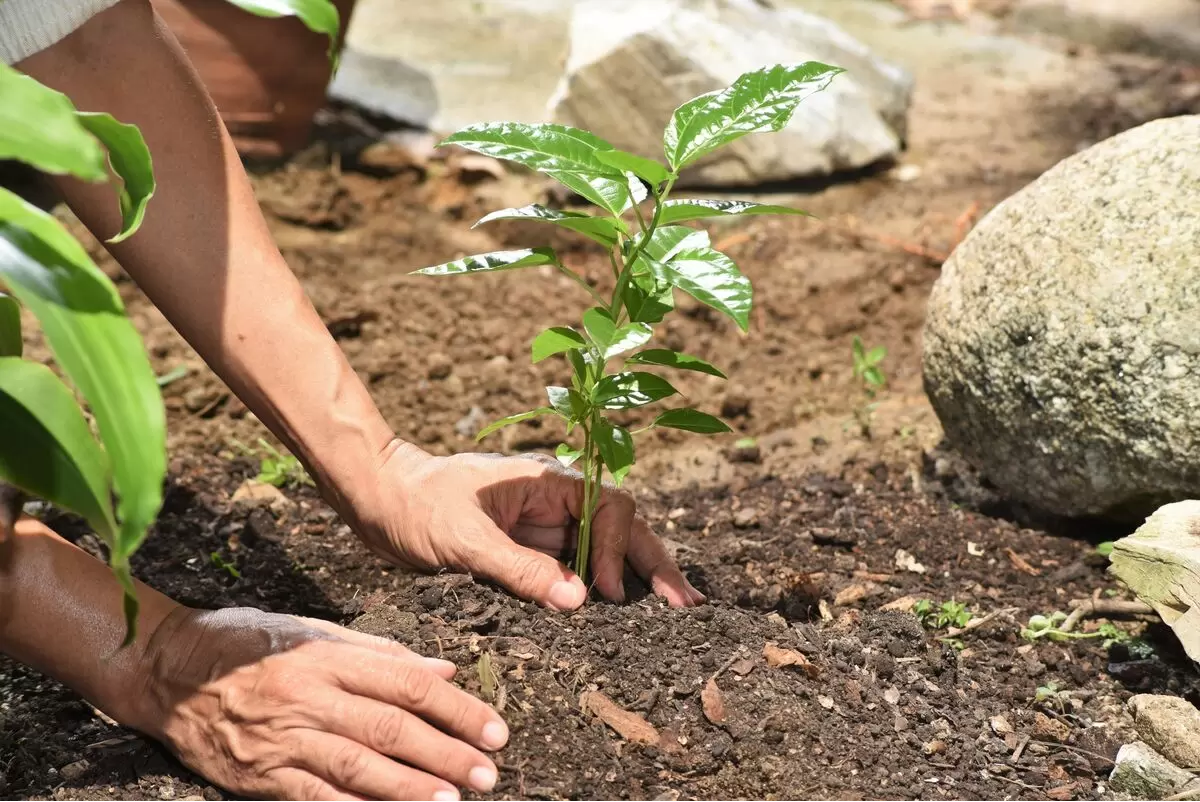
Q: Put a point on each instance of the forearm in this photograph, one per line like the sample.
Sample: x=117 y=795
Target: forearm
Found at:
x=204 y=254
x=61 y=613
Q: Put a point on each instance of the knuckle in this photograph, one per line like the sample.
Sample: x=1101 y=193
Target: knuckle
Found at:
x=348 y=764
x=418 y=686
x=310 y=788
x=388 y=730
x=527 y=571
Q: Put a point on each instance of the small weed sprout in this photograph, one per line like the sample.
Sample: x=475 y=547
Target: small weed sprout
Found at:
x=944 y=616
x=1048 y=627
x=274 y=467
x=651 y=256
x=221 y=564
x=867 y=370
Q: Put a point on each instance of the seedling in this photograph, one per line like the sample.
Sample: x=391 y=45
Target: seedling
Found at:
x=946 y=615
x=868 y=371
x=1048 y=627
x=274 y=467
x=228 y=566
x=651 y=255
x=1105 y=549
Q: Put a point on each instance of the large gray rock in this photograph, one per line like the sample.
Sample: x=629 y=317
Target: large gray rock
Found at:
x=1143 y=773
x=633 y=62
x=1171 y=725
x=1165 y=28
x=1062 y=342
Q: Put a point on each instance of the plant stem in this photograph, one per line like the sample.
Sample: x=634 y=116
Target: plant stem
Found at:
x=647 y=233
x=591 y=496
x=571 y=274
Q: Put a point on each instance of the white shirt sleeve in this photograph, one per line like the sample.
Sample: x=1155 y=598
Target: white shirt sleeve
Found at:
x=27 y=26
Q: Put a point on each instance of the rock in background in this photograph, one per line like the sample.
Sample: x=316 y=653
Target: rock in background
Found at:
x=620 y=67
x=1062 y=344
x=632 y=63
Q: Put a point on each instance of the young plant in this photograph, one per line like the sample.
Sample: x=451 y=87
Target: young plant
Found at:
x=650 y=253
x=274 y=467
x=944 y=616
x=1048 y=627
x=868 y=371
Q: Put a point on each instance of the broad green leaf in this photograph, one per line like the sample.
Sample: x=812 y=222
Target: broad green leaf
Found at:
x=566 y=154
x=10 y=326
x=604 y=230
x=554 y=341
x=673 y=359
x=611 y=339
x=99 y=350
x=567 y=455
x=666 y=241
x=615 y=444
x=130 y=160
x=713 y=279
x=630 y=389
x=648 y=169
x=681 y=210
x=319 y=16
x=511 y=419
x=38 y=126
x=876 y=355
x=691 y=420
x=47 y=449
x=759 y=101
x=644 y=305
x=568 y=403
x=491 y=262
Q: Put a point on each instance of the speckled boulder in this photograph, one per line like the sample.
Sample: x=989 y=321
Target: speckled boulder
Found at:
x=1062 y=342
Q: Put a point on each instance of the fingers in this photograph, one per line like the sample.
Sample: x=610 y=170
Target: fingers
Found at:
x=649 y=557
x=611 y=529
x=389 y=730
x=344 y=764
x=443 y=668
x=422 y=693
x=303 y=785
x=525 y=572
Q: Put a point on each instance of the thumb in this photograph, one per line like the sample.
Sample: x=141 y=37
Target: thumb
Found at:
x=527 y=573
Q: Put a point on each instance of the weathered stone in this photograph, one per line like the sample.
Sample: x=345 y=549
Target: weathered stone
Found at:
x=1145 y=774
x=1170 y=725
x=1061 y=345
x=254 y=493
x=1169 y=28
x=632 y=63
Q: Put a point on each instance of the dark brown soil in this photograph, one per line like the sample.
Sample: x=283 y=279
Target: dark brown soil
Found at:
x=796 y=540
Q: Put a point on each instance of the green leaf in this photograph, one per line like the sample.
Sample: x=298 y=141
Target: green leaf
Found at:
x=99 y=350
x=490 y=262
x=645 y=305
x=666 y=241
x=1105 y=549
x=47 y=449
x=130 y=160
x=759 y=101
x=39 y=126
x=713 y=279
x=673 y=359
x=681 y=210
x=568 y=403
x=567 y=455
x=566 y=154
x=10 y=326
x=579 y=366
x=630 y=389
x=319 y=16
x=647 y=169
x=604 y=230
x=511 y=419
x=691 y=420
x=611 y=339
x=554 y=341
x=615 y=444
x=876 y=355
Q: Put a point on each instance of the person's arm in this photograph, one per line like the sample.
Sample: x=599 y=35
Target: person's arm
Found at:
x=204 y=256
x=268 y=706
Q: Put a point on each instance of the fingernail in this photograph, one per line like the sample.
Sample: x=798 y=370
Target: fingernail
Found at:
x=439 y=665
x=482 y=778
x=564 y=595
x=495 y=735
x=446 y=796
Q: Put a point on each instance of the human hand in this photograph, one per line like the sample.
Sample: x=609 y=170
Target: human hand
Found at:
x=507 y=519
x=273 y=706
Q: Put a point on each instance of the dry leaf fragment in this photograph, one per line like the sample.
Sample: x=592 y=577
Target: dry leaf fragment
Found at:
x=904 y=604
x=629 y=726
x=487 y=676
x=1021 y=564
x=714 y=704
x=777 y=657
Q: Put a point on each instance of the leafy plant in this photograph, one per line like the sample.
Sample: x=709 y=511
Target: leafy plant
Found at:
x=651 y=257
x=274 y=467
x=221 y=564
x=1048 y=627
x=866 y=367
x=944 y=616
x=107 y=464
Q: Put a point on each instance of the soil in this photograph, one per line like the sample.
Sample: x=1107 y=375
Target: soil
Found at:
x=800 y=541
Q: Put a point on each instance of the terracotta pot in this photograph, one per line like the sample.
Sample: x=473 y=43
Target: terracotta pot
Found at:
x=268 y=77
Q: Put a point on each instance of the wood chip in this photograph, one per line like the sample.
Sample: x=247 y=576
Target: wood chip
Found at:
x=713 y=702
x=851 y=594
x=777 y=657
x=904 y=604
x=629 y=726
x=1021 y=564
